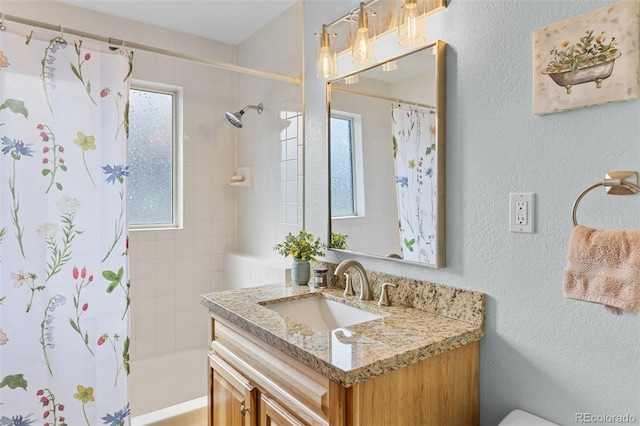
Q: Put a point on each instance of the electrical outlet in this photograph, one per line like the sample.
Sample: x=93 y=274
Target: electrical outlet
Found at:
x=521 y=212
x=521 y=208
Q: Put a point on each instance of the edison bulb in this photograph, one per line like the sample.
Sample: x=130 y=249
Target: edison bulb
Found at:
x=410 y=32
x=326 y=66
x=361 y=50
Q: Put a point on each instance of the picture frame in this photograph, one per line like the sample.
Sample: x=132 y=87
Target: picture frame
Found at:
x=590 y=59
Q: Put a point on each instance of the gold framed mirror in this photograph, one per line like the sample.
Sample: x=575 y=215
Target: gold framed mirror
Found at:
x=386 y=127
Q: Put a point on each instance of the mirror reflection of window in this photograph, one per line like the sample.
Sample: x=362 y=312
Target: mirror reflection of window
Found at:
x=345 y=157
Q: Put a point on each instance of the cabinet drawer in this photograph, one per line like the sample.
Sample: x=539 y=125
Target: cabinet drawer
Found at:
x=272 y=414
x=302 y=391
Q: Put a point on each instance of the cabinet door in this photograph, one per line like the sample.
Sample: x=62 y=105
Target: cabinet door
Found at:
x=272 y=414
x=234 y=399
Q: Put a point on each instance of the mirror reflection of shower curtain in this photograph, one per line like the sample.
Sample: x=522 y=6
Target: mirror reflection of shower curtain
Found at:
x=64 y=286
x=414 y=145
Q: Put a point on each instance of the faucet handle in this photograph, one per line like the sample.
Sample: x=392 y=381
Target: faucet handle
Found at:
x=384 y=294
x=348 y=288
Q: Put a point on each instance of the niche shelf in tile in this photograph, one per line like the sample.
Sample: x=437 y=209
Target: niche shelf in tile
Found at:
x=243 y=177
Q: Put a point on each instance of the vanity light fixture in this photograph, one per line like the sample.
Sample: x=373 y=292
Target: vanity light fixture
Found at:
x=362 y=48
x=390 y=66
x=326 y=64
x=411 y=27
x=357 y=32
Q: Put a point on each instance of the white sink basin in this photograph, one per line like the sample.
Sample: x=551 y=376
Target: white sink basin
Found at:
x=322 y=314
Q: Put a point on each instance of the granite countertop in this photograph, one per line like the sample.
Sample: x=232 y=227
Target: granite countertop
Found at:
x=404 y=335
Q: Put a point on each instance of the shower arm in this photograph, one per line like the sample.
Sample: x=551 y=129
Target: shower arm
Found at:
x=258 y=108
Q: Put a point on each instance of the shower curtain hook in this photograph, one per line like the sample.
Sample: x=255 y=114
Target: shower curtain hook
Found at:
x=122 y=50
x=2 y=26
x=61 y=34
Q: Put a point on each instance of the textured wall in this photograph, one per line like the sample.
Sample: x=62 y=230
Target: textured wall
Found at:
x=543 y=353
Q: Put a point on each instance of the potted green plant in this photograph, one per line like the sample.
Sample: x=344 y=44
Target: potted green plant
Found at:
x=339 y=241
x=303 y=248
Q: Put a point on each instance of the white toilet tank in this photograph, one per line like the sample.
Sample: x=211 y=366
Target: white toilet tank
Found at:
x=521 y=418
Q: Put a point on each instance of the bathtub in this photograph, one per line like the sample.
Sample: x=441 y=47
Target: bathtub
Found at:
x=169 y=390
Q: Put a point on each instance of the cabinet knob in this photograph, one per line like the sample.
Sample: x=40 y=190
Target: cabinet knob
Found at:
x=243 y=410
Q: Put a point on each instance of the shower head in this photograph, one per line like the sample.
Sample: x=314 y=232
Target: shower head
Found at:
x=235 y=118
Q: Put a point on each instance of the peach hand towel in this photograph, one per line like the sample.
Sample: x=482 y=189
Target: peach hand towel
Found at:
x=604 y=267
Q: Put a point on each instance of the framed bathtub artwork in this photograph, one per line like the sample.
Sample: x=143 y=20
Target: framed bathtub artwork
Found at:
x=590 y=59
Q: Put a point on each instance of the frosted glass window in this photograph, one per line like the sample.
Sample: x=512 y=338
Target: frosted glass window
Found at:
x=151 y=158
x=342 y=167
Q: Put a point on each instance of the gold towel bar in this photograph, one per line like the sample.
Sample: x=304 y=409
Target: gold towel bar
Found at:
x=615 y=183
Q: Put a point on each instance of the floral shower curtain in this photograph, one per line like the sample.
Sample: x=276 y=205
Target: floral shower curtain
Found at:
x=414 y=151
x=64 y=289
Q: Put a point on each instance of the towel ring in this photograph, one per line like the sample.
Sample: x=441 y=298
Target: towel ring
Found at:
x=616 y=183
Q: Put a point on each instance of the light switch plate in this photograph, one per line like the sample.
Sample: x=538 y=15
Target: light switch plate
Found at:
x=521 y=212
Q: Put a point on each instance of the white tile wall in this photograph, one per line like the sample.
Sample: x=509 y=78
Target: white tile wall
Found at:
x=173 y=267
x=272 y=142
x=245 y=271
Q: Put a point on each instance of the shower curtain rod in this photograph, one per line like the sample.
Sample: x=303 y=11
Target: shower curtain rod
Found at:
x=149 y=49
x=384 y=98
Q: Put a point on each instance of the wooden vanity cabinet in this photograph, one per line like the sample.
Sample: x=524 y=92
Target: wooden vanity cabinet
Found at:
x=439 y=391
x=275 y=389
x=234 y=402
x=253 y=384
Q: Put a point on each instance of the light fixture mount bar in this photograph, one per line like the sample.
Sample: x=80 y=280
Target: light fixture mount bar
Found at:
x=348 y=15
x=432 y=7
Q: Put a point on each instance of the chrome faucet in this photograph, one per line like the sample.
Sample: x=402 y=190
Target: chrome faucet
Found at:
x=365 y=290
